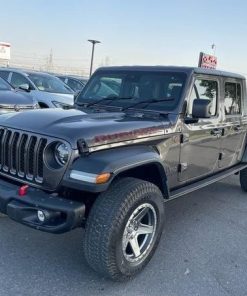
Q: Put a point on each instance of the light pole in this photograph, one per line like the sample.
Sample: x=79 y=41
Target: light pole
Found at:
x=213 y=46
x=92 y=56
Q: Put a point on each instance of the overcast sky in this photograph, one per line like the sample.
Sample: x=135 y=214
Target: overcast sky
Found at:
x=132 y=31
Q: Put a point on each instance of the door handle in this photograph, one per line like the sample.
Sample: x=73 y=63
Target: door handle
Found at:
x=216 y=132
x=237 y=128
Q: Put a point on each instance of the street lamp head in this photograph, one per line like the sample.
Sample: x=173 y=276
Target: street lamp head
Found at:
x=93 y=45
x=94 y=41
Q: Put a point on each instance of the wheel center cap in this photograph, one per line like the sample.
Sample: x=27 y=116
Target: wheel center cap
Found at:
x=132 y=231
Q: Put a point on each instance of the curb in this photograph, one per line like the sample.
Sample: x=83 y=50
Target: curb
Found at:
x=2 y=215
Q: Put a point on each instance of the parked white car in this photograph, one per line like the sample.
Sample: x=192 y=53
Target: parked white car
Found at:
x=48 y=90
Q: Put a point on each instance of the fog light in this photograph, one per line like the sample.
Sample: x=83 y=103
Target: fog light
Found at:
x=41 y=216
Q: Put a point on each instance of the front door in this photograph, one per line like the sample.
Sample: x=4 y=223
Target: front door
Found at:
x=201 y=140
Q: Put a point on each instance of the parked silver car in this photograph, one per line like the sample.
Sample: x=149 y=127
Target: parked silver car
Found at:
x=48 y=90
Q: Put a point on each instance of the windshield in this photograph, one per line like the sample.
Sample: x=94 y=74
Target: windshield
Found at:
x=160 y=90
x=4 y=85
x=49 y=84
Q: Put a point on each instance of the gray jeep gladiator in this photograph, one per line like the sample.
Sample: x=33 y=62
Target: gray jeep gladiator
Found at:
x=138 y=136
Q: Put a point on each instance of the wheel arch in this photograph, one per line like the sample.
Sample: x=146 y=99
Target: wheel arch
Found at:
x=244 y=156
x=138 y=162
x=150 y=170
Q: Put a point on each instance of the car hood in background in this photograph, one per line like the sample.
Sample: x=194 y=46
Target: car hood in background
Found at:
x=49 y=96
x=11 y=97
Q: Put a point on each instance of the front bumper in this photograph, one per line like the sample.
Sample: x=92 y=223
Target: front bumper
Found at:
x=61 y=215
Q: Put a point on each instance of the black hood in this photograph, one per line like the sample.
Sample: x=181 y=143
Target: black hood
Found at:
x=12 y=97
x=95 y=129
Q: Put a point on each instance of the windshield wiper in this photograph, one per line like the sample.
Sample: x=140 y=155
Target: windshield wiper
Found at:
x=103 y=100
x=93 y=103
x=147 y=102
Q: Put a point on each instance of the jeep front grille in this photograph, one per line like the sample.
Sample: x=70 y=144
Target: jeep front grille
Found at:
x=21 y=155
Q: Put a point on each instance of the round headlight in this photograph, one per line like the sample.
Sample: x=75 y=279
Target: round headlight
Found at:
x=62 y=153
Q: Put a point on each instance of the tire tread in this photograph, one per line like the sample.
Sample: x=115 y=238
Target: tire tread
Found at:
x=105 y=221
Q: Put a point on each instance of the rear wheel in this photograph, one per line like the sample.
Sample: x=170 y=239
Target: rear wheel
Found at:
x=123 y=228
x=243 y=179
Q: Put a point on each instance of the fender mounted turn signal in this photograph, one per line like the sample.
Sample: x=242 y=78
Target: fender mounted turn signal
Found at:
x=102 y=178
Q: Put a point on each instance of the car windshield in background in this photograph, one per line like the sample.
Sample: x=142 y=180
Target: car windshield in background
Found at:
x=49 y=83
x=76 y=85
x=150 y=90
x=4 y=85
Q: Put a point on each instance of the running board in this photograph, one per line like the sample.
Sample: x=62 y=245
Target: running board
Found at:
x=207 y=181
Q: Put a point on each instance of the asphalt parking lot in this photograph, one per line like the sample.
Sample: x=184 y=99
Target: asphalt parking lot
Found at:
x=203 y=252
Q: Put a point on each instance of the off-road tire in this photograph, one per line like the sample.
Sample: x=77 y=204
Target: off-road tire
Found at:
x=106 y=225
x=243 y=179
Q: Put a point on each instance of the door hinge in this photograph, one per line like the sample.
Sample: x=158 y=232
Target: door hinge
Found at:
x=182 y=167
x=221 y=155
x=184 y=138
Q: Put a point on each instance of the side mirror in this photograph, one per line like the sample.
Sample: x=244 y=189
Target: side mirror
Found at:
x=25 y=87
x=201 y=108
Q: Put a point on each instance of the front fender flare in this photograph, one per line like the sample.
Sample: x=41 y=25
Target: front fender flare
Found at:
x=114 y=161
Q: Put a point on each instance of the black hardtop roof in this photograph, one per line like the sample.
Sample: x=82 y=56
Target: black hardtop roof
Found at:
x=187 y=70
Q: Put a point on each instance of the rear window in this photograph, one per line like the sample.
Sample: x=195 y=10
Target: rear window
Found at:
x=4 y=75
x=233 y=95
x=4 y=85
x=75 y=85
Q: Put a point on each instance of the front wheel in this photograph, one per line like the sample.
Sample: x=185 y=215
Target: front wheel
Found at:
x=123 y=228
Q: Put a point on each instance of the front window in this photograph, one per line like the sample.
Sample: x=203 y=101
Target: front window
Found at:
x=4 y=75
x=49 y=84
x=204 y=89
x=4 y=85
x=160 y=91
x=18 y=80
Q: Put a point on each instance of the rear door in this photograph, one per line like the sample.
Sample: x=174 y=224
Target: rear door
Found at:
x=234 y=134
x=201 y=140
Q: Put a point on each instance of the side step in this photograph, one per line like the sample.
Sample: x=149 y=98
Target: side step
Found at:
x=207 y=181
